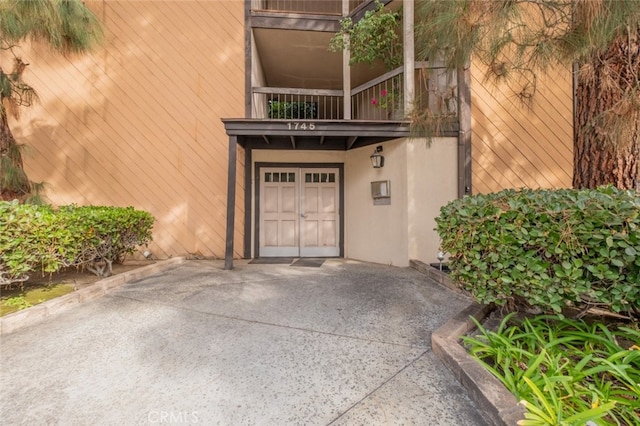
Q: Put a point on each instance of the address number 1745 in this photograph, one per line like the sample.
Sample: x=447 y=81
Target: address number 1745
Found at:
x=301 y=126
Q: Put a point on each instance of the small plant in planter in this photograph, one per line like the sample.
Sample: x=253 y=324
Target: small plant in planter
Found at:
x=292 y=110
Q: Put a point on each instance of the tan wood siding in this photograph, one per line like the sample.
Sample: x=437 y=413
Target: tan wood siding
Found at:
x=138 y=121
x=515 y=146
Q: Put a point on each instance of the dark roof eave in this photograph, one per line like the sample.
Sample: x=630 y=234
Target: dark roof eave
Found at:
x=256 y=127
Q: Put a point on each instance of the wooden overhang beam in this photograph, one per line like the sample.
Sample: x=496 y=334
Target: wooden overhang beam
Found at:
x=350 y=141
x=320 y=129
x=308 y=21
x=295 y=21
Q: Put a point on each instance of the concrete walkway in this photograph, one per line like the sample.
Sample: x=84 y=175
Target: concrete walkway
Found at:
x=347 y=343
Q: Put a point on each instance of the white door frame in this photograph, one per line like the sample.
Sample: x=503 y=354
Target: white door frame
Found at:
x=296 y=251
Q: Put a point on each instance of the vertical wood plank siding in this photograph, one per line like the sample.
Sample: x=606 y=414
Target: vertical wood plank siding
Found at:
x=137 y=122
x=515 y=146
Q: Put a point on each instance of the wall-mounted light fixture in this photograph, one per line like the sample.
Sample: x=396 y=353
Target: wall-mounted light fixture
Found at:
x=377 y=159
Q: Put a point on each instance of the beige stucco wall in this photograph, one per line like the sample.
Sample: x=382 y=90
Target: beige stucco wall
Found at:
x=377 y=233
x=297 y=156
x=423 y=177
x=137 y=122
x=432 y=183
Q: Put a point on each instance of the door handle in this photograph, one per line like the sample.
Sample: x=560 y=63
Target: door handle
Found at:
x=302 y=215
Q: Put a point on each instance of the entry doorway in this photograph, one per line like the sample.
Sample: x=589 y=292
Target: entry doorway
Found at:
x=299 y=212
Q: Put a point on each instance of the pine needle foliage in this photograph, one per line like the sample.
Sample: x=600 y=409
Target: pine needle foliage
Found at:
x=519 y=40
x=68 y=27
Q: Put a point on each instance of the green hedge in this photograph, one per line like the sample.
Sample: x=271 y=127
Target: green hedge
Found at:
x=41 y=239
x=107 y=234
x=31 y=238
x=549 y=248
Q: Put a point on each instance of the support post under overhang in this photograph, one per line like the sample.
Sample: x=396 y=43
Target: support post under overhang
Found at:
x=231 y=202
x=464 y=136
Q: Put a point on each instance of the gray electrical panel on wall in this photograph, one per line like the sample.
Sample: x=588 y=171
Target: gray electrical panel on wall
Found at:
x=381 y=192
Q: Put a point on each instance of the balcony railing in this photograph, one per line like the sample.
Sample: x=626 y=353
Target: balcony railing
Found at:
x=304 y=104
x=323 y=7
x=381 y=99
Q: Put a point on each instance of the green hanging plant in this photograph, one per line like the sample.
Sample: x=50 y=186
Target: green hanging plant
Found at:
x=375 y=36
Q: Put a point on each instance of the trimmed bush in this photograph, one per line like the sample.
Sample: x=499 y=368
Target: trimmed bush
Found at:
x=549 y=248
x=41 y=239
x=106 y=234
x=32 y=238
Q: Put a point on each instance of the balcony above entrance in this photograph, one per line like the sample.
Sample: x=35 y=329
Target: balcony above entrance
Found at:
x=379 y=99
x=303 y=134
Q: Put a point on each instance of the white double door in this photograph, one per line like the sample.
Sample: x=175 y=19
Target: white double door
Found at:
x=299 y=212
